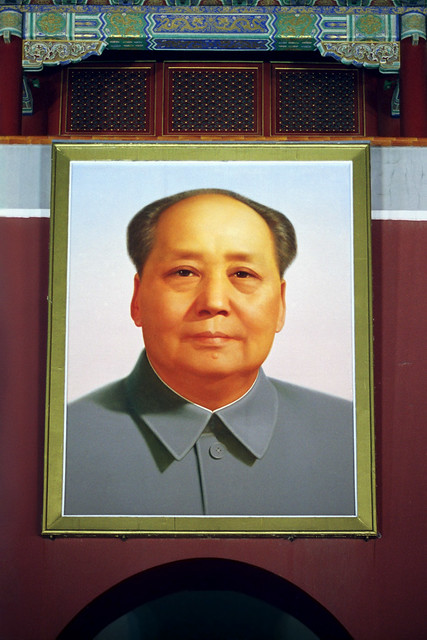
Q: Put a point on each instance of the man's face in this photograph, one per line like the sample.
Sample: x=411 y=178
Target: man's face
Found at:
x=210 y=297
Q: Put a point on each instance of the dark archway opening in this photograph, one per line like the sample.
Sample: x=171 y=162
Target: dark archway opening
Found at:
x=205 y=599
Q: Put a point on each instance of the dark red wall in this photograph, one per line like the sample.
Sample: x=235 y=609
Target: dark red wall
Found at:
x=374 y=588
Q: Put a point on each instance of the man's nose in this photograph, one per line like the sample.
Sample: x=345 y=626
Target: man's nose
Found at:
x=213 y=296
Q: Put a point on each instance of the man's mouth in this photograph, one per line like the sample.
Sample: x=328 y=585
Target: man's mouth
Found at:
x=212 y=338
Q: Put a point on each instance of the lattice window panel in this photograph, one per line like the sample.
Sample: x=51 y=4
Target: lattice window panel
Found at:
x=109 y=100
x=317 y=101
x=213 y=100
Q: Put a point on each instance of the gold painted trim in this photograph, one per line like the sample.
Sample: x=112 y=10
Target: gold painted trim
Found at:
x=54 y=523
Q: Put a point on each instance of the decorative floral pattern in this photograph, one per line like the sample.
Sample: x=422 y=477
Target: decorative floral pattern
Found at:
x=52 y=23
x=121 y=23
x=370 y=25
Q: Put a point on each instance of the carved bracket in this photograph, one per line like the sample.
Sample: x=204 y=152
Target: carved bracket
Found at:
x=40 y=52
x=382 y=55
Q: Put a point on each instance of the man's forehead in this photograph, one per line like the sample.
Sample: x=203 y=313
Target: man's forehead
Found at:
x=203 y=201
x=233 y=233
x=216 y=214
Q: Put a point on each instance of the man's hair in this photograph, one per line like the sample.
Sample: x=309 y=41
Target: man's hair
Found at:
x=142 y=228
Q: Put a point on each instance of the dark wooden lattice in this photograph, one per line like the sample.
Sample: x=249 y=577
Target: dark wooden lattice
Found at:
x=213 y=100
x=193 y=99
x=108 y=100
x=317 y=101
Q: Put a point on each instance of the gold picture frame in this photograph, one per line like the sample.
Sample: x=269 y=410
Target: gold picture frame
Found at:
x=97 y=187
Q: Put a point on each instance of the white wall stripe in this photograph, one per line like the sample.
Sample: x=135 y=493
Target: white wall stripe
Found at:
x=24 y=213
x=399 y=215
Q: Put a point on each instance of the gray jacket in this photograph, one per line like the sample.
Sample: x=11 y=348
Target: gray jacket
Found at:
x=137 y=448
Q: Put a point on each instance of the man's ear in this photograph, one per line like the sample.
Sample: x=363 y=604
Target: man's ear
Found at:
x=135 y=310
x=282 y=311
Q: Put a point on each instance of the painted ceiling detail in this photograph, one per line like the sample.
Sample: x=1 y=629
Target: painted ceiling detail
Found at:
x=66 y=34
x=224 y=3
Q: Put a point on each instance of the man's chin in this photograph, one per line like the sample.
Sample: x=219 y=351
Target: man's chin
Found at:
x=216 y=370
x=204 y=368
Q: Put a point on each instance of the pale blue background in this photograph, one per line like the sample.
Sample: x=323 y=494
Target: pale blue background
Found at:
x=315 y=347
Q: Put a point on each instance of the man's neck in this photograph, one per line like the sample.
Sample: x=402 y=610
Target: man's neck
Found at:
x=208 y=392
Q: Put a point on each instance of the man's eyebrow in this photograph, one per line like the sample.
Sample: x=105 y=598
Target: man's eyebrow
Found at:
x=242 y=256
x=183 y=254
x=199 y=255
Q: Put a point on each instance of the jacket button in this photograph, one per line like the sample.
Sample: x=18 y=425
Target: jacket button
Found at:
x=216 y=451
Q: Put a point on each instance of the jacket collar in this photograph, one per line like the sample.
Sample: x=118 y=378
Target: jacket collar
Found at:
x=178 y=423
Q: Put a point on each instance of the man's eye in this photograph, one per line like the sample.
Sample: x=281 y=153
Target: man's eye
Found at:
x=184 y=273
x=243 y=274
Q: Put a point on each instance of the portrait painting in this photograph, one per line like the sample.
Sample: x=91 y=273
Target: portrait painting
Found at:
x=210 y=348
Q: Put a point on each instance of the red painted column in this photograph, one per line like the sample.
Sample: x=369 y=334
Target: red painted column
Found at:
x=413 y=76
x=11 y=72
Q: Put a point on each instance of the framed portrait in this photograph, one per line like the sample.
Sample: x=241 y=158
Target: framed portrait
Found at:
x=202 y=379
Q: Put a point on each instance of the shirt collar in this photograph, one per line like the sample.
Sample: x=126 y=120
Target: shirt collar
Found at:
x=178 y=423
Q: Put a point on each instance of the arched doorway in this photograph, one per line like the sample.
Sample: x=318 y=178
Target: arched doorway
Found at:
x=205 y=599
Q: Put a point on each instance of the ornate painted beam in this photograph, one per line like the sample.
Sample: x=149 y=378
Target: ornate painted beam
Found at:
x=63 y=34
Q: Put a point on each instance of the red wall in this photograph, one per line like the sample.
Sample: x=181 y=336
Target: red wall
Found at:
x=374 y=588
